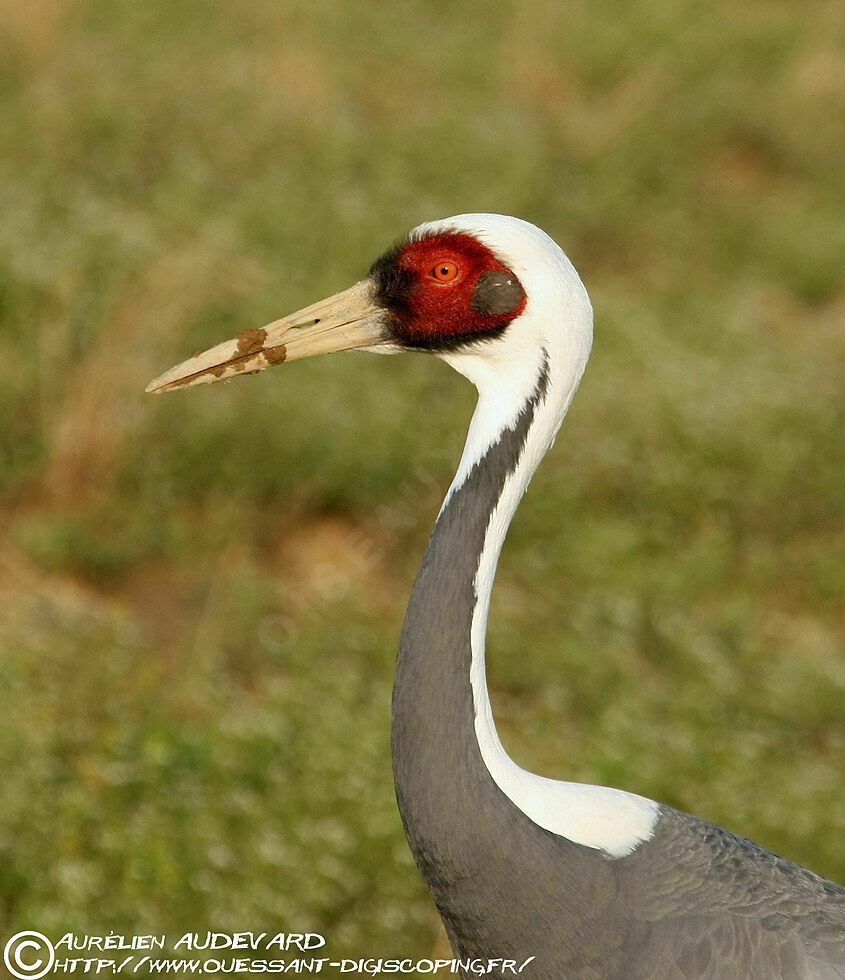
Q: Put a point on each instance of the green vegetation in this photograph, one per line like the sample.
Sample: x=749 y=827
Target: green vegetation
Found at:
x=201 y=594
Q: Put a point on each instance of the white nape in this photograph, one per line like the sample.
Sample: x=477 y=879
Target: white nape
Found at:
x=553 y=333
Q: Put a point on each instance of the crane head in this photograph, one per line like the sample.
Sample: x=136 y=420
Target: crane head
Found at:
x=451 y=287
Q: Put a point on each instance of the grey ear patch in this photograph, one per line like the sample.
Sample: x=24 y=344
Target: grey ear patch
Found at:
x=497 y=292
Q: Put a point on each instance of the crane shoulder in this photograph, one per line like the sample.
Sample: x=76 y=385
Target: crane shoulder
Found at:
x=712 y=897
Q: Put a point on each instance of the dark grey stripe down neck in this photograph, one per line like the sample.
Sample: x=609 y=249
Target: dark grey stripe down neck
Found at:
x=693 y=901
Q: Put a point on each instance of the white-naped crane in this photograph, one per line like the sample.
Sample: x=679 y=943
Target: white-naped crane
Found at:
x=590 y=881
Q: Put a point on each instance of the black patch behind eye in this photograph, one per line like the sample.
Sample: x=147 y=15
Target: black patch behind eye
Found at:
x=497 y=292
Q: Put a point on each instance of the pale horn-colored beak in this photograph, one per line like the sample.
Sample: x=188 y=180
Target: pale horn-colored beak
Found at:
x=342 y=322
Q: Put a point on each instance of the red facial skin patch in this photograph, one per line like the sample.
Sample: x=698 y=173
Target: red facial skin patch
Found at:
x=435 y=295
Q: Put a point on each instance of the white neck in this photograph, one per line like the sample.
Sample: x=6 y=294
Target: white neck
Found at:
x=607 y=819
x=555 y=328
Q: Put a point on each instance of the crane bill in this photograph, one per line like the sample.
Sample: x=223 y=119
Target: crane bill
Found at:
x=342 y=322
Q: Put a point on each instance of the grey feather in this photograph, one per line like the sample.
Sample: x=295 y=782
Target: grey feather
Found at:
x=692 y=901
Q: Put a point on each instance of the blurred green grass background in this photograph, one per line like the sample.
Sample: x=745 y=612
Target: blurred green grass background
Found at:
x=201 y=594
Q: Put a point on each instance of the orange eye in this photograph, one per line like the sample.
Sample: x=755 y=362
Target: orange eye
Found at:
x=444 y=271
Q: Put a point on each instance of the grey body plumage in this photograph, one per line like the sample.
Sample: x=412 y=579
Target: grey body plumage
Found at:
x=692 y=901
